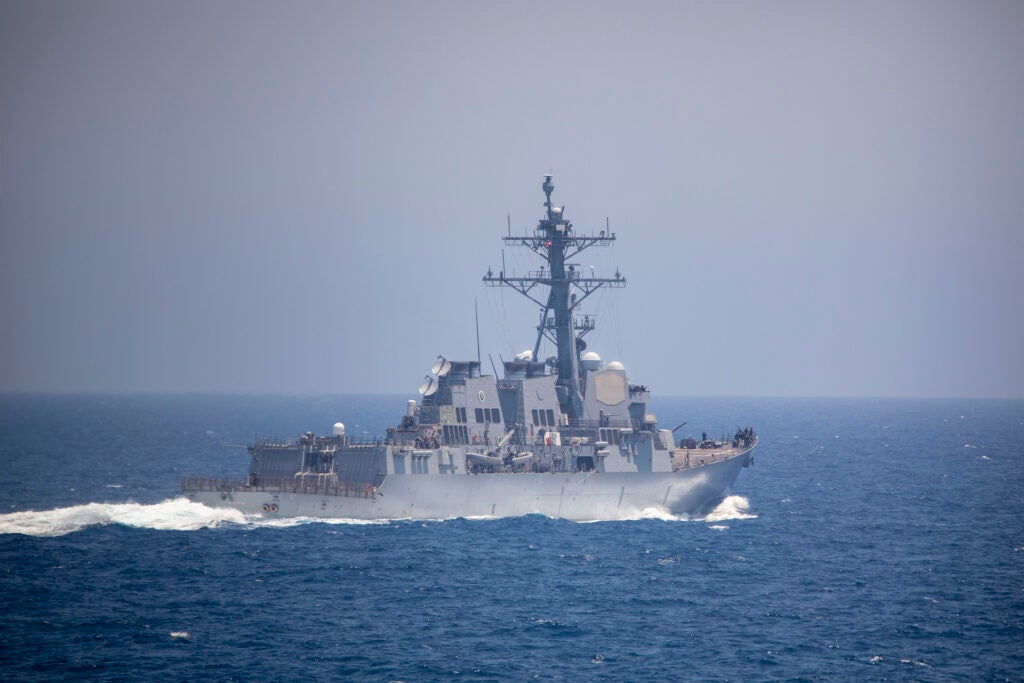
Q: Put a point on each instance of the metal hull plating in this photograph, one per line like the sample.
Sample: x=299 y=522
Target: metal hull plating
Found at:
x=582 y=496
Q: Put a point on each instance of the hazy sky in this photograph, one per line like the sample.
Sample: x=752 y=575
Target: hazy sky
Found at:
x=810 y=198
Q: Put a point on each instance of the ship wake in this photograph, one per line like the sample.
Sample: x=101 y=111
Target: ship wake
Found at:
x=179 y=514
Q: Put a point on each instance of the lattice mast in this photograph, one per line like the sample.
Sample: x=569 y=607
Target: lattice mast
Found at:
x=555 y=241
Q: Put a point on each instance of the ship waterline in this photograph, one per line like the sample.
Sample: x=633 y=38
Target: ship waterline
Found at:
x=581 y=496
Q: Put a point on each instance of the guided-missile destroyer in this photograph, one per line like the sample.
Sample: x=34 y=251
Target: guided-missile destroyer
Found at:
x=568 y=436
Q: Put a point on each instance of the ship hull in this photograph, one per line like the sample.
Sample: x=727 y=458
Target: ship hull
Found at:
x=581 y=496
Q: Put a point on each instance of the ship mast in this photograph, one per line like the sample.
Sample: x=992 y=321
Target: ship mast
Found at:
x=555 y=241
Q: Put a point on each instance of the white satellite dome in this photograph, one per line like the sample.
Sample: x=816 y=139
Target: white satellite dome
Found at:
x=339 y=429
x=591 y=361
x=616 y=365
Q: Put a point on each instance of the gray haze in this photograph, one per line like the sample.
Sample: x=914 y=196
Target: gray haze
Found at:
x=810 y=198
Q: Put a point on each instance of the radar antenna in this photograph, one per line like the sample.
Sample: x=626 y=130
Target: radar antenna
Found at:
x=429 y=386
x=555 y=241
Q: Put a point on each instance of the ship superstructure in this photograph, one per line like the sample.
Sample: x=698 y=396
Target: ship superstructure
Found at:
x=568 y=436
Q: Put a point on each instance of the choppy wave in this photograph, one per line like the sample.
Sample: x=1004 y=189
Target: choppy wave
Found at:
x=179 y=514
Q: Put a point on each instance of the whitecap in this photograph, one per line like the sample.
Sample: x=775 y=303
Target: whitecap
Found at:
x=718 y=527
x=915 y=662
x=184 y=635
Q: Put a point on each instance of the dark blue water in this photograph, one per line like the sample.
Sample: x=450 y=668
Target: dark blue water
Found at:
x=884 y=540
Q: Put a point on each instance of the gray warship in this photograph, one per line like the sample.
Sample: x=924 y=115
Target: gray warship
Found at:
x=569 y=436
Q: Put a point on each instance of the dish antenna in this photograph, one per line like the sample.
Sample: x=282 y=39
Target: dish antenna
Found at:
x=441 y=367
x=429 y=386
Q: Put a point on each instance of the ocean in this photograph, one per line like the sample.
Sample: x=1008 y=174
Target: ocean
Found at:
x=873 y=539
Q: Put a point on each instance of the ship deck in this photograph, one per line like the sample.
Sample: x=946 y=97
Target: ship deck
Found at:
x=686 y=458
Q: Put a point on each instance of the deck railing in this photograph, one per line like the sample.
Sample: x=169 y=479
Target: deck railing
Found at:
x=282 y=485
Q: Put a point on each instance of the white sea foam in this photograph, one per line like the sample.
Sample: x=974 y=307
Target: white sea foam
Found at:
x=634 y=514
x=184 y=635
x=288 y=522
x=733 y=507
x=656 y=513
x=915 y=662
x=179 y=514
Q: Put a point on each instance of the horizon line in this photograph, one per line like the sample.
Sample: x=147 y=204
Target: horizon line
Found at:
x=306 y=394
